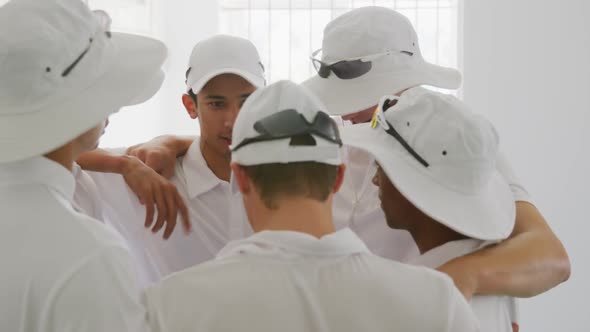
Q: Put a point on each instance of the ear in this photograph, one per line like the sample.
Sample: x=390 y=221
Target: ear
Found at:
x=339 y=178
x=242 y=179
x=189 y=105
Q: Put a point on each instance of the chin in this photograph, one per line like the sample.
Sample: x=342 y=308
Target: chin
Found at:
x=392 y=224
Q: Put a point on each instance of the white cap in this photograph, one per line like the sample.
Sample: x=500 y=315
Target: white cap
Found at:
x=62 y=73
x=461 y=187
x=224 y=54
x=277 y=97
x=370 y=31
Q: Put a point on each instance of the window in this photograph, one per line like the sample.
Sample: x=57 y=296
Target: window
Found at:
x=286 y=32
x=132 y=16
x=137 y=17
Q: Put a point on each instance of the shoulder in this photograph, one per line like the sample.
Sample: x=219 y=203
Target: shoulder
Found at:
x=409 y=280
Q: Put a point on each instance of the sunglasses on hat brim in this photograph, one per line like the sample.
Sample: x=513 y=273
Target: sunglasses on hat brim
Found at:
x=379 y=119
x=288 y=124
x=351 y=68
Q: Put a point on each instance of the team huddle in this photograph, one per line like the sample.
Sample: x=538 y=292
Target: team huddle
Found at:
x=359 y=200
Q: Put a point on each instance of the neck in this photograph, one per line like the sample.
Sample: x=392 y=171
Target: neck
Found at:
x=296 y=214
x=64 y=156
x=218 y=164
x=429 y=234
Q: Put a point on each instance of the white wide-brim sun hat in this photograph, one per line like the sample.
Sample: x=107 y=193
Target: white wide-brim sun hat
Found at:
x=369 y=31
x=113 y=72
x=343 y=97
x=461 y=187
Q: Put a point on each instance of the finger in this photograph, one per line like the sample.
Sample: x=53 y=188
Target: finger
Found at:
x=162 y=211
x=167 y=172
x=131 y=150
x=149 y=211
x=152 y=162
x=172 y=213
x=186 y=223
x=139 y=154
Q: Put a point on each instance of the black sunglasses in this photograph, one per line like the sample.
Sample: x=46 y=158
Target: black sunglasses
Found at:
x=290 y=123
x=349 y=69
x=379 y=118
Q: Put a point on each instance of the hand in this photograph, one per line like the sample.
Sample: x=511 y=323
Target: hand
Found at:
x=152 y=188
x=159 y=154
x=462 y=274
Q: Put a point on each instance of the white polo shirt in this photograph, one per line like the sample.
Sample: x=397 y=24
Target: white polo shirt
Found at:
x=61 y=270
x=290 y=281
x=495 y=313
x=86 y=196
x=218 y=215
x=208 y=200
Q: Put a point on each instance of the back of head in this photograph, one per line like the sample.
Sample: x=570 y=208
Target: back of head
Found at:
x=287 y=144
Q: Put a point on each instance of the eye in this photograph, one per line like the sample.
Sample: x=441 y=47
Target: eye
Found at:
x=216 y=104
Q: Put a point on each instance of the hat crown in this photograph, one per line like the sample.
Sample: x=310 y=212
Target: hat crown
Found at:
x=460 y=146
x=368 y=30
x=280 y=96
x=223 y=52
x=277 y=97
x=36 y=51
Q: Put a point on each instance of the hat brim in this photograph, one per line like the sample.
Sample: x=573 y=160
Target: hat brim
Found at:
x=343 y=97
x=488 y=215
x=133 y=76
x=254 y=79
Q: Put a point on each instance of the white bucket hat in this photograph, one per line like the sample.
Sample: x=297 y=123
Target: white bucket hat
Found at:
x=62 y=72
x=222 y=54
x=272 y=116
x=443 y=161
x=387 y=39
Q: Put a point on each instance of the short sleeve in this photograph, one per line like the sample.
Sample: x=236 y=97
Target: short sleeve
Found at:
x=518 y=189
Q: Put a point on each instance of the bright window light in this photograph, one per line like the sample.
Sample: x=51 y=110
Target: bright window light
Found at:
x=286 y=32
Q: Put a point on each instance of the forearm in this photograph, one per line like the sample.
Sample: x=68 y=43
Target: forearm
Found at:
x=530 y=262
x=100 y=160
x=179 y=144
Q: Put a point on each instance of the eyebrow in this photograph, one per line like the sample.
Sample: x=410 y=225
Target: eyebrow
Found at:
x=215 y=97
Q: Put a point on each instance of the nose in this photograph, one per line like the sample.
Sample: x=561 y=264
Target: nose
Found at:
x=232 y=115
x=375 y=179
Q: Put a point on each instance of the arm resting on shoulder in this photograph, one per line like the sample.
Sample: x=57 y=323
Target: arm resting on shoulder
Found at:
x=151 y=188
x=531 y=261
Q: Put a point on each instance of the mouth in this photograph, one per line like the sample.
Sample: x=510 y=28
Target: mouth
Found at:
x=226 y=140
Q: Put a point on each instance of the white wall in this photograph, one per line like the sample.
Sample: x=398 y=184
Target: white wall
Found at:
x=527 y=67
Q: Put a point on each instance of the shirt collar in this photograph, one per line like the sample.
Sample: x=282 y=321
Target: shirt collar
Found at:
x=199 y=177
x=341 y=243
x=446 y=252
x=39 y=170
